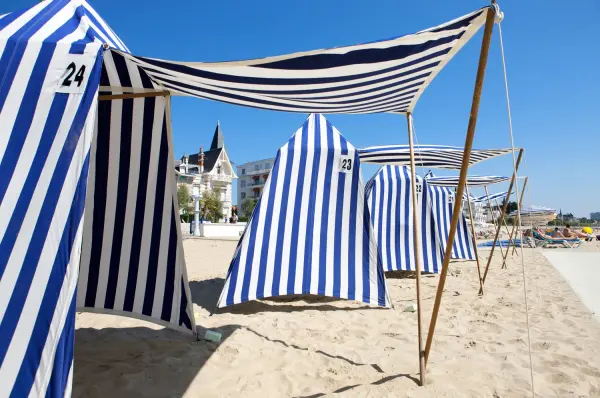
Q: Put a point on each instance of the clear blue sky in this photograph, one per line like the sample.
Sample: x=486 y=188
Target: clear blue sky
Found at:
x=553 y=56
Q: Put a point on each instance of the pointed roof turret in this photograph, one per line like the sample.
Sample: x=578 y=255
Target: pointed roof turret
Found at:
x=218 y=142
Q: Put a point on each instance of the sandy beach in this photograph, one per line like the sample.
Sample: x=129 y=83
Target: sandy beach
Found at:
x=313 y=347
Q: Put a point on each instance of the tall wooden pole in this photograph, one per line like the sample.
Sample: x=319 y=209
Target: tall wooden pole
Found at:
x=503 y=212
x=492 y=210
x=474 y=239
x=515 y=226
x=483 y=56
x=417 y=245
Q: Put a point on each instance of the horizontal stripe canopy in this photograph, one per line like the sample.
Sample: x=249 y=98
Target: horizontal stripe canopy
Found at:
x=435 y=156
x=472 y=181
x=492 y=196
x=376 y=77
x=309 y=232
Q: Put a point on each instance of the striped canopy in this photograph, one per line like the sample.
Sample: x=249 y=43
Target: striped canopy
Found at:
x=435 y=156
x=381 y=76
x=492 y=196
x=310 y=231
x=472 y=181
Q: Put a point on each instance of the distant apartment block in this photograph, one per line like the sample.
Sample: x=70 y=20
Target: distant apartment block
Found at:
x=595 y=216
x=252 y=177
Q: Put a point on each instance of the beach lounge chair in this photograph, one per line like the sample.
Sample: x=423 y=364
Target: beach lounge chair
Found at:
x=546 y=242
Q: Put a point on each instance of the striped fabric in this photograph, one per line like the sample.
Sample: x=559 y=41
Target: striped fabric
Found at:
x=132 y=259
x=472 y=181
x=382 y=76
x=45 y=135
x=534 y=210
x=310 y=231
x=492 y=196
x=51 y=62
x=437 y=156
x=388 y=195
x=442 y=203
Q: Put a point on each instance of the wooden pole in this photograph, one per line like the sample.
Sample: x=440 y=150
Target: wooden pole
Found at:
x=483 y=56
x=417 y=245
x=503 y=212
x=474 y=239
x=132 y=95
x=493 y=219
x=515 y=225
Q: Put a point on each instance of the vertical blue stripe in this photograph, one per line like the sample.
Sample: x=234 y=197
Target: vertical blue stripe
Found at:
x=121 y=205
x=339 y=220
x=297 y=204
x=397 y=222
x=325 y=214
x=63 y=359
x=389 y=222
x=140 y=208
x=282 y=215
x=184 y=317
x=171 y=266
x=262 y=266
x=164 y=170
x=312 y=198
x=408 y=231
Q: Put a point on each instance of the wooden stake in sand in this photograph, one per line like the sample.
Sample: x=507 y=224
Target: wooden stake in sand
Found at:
x=417 y=244
x=474 y=239
x=514 y=228
x=503 y=212
x=483 y=56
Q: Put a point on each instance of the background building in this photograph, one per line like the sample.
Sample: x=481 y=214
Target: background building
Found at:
x=595 y=216
x=251 y=181
x=210 y=170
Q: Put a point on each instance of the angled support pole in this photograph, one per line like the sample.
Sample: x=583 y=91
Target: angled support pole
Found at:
x=483 y=57
x=503 y=212
x=417 y=246
x=515 y=227
x=487 y=194
x=474 y=240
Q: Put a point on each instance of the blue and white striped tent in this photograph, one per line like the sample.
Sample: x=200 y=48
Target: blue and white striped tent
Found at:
x=57 y=144
x=388 y=195
x=391 y=208
x=310 y=231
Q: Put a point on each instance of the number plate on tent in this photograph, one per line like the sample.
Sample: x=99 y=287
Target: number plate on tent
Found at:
x=74 y=73
x=346 y=164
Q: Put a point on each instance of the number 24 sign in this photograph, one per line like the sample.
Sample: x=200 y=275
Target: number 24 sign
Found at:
x=75 y=73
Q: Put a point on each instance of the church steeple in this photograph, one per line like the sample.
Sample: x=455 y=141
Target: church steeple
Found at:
x=218 y=142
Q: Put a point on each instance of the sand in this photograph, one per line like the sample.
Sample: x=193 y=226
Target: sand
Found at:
x=313 y=347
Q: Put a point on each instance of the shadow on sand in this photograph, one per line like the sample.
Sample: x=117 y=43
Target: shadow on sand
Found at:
x=206 y=294
x=115 y=362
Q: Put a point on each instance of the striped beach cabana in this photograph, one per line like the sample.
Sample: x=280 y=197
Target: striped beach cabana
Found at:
x=310 y=231
x=391 y=210
x=88 y=211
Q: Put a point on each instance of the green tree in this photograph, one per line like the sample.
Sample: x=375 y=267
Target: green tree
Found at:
x=248 y=206
x=185 y=202
x=512 y=206
x=212 y=206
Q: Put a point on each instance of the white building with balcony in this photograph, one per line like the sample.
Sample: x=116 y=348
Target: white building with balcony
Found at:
x=252 y=177
x=210 y=170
